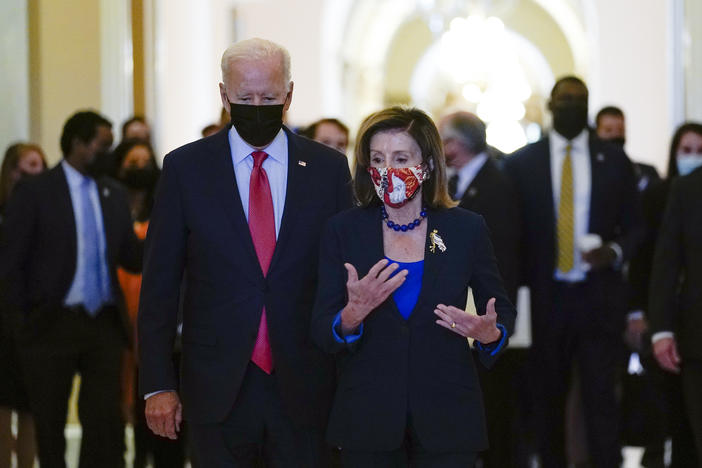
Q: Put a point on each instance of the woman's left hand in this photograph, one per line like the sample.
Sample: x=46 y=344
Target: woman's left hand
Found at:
x=480 y=327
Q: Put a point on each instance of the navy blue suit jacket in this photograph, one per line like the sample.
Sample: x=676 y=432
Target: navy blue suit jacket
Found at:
x=615 y=214
x=415 y=365
x=198 y=224
x=39 y=251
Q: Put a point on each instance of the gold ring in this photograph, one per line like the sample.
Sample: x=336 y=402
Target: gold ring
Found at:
x=453 y=324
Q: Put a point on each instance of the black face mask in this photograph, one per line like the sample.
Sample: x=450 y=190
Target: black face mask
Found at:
x=139 y=178
x=569 y=119
x=619 y=141
x=257 y=125
x=100 y=166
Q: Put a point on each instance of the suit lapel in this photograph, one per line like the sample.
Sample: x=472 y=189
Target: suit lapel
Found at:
x=597 y=160
x=105 y=197
x=476 y=185
x=434 y=262
x=297 y=184
x=227 y=193
x=64 y=209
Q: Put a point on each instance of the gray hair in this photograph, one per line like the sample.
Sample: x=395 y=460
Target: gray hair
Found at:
x=256 y=49
x=466 y=128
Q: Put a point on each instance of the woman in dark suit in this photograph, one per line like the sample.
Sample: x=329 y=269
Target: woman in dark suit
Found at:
x=393 y=281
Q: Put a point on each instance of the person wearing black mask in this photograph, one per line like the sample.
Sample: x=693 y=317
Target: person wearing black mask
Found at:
x=65 y=233
x=138 y=171
x=610 y=126
x=242 y=211
x=580 y=222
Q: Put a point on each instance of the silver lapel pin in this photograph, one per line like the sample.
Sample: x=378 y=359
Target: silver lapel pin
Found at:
x=302 y=163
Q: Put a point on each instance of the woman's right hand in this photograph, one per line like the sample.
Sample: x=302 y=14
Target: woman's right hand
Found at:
x=369 y=292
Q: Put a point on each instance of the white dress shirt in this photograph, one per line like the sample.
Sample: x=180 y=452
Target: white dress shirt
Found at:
x=275 y=165
x=582 y=187
x=467 y=173
x=75 y=179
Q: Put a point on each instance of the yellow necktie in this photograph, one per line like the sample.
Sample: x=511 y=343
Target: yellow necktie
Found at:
x=566 y=223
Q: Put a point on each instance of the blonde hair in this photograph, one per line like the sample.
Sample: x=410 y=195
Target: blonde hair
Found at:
x=256 y=49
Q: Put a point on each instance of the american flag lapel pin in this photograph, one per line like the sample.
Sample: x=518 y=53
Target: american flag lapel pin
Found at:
x=302 y=163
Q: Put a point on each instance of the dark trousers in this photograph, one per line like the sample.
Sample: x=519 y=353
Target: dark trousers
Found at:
x=92 y=347
x=671 y=420
x=507 y=401
x=692 y=388
x=258 y=428
x=572 y=336
x=410 y=454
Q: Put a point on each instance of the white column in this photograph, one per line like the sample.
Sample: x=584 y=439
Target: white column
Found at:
x=182 y=69
x=14 y=78
x=117 y=67
x=691 y=36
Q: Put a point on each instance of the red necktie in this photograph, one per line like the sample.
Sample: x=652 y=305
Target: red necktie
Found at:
x=262 y=228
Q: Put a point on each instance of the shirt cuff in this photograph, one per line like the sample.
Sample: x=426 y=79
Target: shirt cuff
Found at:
x=661 y=335
x=617 y=250
x=635 y=315
x=149 y=395
x=338 y=334
x=495 y=347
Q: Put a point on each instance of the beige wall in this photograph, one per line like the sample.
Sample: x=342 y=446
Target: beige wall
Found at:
x=64 y=66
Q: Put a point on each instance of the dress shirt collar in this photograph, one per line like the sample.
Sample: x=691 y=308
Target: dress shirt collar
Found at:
x=579 y=144
x=467 y=173
x=74 y=178
x=473 y=166
x=276 y=150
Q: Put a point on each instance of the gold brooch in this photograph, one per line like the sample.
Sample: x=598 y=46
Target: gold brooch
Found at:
x=436 y=241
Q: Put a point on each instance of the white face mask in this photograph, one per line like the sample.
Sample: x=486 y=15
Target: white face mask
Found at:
x=688 y=162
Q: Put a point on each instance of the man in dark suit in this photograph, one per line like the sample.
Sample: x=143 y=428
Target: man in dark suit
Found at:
x=675 y=300
x=242 y=211
x=610 y=126
x=481 y=186
x=581 y=221
x=66 y=233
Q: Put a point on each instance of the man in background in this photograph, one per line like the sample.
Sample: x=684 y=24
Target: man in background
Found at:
x=66 y=233
x=480 y=186
x=330 y=132
x=580 y=222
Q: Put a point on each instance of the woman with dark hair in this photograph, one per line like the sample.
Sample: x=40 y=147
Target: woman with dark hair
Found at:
x=21 y=160
x=684 y=148
x=136 y=168
x=393 y=284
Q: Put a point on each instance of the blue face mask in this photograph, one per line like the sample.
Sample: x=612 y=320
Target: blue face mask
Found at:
x=688 y=162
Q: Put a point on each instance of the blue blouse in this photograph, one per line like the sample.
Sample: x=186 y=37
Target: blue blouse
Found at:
x=407 y=294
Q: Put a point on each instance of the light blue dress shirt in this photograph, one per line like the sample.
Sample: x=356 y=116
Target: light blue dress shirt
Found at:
x=75 y=293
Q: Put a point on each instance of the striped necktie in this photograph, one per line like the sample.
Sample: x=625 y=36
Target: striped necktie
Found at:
x=566 y=225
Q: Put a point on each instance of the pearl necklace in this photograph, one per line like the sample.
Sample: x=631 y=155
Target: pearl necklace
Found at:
x=403 y=227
